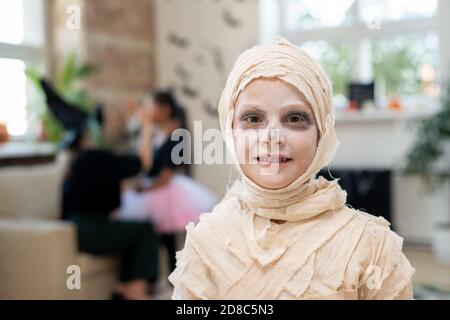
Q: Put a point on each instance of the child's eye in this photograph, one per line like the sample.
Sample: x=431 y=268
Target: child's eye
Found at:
x=296 y=118
x=252 y=118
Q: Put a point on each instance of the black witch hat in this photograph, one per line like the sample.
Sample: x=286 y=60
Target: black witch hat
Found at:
x=73 y=119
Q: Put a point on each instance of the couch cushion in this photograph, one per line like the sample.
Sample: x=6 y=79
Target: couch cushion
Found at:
x=32 y=191
x=91 y=265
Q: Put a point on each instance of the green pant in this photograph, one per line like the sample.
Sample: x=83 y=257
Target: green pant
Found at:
x=134 y=242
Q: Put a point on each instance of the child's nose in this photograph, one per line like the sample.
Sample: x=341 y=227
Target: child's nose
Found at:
x=273 y=135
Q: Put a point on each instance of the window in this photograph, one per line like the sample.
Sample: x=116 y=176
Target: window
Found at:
x=21 y=44
x=399 y=62
x=13 y=95
x=316 y=14
x=397 y=43
x=336 y=58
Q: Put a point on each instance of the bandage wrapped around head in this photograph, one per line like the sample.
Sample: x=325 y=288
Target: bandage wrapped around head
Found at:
x=242 y=250
x=294 y=66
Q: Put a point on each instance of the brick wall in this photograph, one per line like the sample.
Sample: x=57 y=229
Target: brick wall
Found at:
x=117 y=36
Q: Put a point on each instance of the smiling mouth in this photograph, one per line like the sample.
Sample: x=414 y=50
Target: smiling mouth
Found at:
x=271 y=160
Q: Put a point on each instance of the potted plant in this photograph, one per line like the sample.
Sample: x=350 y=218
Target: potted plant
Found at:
x=430 y=158
x=67 y=84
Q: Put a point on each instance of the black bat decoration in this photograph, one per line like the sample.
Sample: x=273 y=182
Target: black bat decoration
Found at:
x=199 y=59
x=210 y=109
x=230 y=19
x=189 y=91
x=218 y=59
x=178 y=41
x=181 y=72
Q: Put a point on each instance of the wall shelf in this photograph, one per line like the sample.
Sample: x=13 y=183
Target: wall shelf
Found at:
x=26 y=153
x=381 y=115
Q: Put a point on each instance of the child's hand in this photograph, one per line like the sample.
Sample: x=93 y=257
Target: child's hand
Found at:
x=146 y=117
x=130 y=107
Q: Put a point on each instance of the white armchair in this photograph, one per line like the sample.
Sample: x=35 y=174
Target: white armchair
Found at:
x=36 y=247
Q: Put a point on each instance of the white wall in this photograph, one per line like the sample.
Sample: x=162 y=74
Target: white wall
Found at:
x=210 y=34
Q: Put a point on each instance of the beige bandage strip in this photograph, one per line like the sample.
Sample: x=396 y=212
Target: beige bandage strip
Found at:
x=323 y=250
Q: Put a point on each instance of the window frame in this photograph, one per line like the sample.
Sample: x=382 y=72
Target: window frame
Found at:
x=357 y=34
x=34 y=49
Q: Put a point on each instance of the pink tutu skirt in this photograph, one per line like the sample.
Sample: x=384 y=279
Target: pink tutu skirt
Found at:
x=171 y=207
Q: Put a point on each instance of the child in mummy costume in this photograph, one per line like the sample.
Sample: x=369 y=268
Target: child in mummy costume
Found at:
x=280 y=232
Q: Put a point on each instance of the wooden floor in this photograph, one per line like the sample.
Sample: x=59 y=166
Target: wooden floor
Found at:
x=432 y=278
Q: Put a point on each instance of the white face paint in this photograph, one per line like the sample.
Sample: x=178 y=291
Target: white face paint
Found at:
x=275 y=132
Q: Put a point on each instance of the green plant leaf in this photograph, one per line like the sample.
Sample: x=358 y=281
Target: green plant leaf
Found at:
x=80 y=99
x=85 y=70
x=68 y=73
x=65 y=85
x=427 y=149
